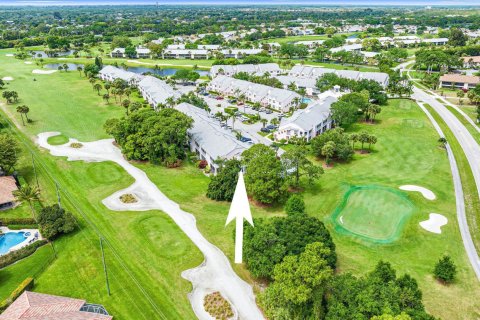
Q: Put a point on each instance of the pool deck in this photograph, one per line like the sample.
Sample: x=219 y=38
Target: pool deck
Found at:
x=34 y=236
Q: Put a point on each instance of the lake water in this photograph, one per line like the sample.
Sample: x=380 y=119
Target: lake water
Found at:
x=139 y=70
x=43 y=54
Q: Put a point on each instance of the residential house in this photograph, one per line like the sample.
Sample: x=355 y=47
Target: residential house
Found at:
x=311 y=44
x=110 y=73
x=278 y=99
x=118 y=53
x=8 y=185
x=258 y=69
x=307 y=123
x=209 y=140
x=239 y=53
x=39 y=306
x=156 y=91
x=356 y=47
x=143 y=53
x=459 y=81
x=471 y=62
x=185 y=54
x=302 y=71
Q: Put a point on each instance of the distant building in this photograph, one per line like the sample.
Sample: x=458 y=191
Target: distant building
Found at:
x=8 y=185
x=156 y=91
x=307 y=123
x=39 y=306
x=239 y=53
x=257 y=69
x=278 y=99
x=143 y=53
x=118 y=53
x=471 y=62
x=459 y=81
x=185 y=54
x=356 y=47
x=311 y=72
x=209 y=140
x=110 y=73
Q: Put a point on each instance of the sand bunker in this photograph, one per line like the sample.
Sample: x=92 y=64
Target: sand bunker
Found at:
x=36 y=71
x=434 y=223
x=7 y=78
x=28 y=62
x=427 y=194
x=10 y=55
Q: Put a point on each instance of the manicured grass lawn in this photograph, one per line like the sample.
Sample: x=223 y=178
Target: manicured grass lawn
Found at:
x=373 y=213
x=57 y=140
x=297 y=38
x=13 y=275
x=145 y=251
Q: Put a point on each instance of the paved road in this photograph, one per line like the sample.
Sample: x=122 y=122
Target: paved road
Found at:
x=472 y=152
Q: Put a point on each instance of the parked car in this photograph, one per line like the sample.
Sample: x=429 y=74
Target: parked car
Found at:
x=245 y=139
x=269 y=111
x=219 y=98
x=240 y=104
x=266 y=130
x=271 y=127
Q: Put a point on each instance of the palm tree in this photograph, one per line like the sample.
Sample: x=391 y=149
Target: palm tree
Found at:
x=371 y=140
x=264 y=122
x=363 y=138
x=170 y=101
x=23 y=110
x=92 y=81
x=65 y=67
x=128 y=92
x=107 y=86
x=354 y=138
x=97 y=87
x=442 y=141
x=80 y=69
x=28 y=194
x=106 y=97
x=126 y=104
x=328 y=150
x=275 y=121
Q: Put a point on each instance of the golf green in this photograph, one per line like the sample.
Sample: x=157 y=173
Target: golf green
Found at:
x=373 y=213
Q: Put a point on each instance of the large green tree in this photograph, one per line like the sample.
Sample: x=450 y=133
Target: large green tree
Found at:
x=298 y=165
x=159 y=137
x=222 y=186
x=264 y=178
x=54 y=220
x=9 y=152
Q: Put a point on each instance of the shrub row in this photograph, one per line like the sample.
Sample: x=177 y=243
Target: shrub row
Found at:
x=19 y=254
x=26 y=284
x=22 y=221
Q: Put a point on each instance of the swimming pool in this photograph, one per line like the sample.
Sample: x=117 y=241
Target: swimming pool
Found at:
x=307 y=100
x=9 y=240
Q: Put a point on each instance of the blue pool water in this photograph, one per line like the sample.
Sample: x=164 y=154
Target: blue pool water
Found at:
x=306 y=100
x=10 y=239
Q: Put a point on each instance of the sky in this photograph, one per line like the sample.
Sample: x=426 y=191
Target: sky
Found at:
x=243 y=2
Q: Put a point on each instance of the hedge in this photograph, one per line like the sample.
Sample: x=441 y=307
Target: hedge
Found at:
x=26 y=284
x=23 y=221
x=19 y=254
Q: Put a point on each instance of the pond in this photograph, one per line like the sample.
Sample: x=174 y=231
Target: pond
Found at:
x=9 y=240
x=139 y=70
x=43 y=54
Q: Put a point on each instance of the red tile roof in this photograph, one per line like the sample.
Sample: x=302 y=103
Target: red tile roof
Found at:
x=459 y=78
x=7 y=186
x=39 y=306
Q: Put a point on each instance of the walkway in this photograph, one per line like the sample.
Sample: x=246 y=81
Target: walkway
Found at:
x=214 y=274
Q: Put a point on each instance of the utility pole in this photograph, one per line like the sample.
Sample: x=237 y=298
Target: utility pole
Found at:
x=104 y=266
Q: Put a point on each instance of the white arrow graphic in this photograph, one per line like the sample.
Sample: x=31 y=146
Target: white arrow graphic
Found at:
x=240 y=209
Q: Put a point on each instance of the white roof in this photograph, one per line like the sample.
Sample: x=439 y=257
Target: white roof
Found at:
x=249 y=68
x=175 y=46
x=118 y=73
x=308 y=118
x=315 y=72
x=241 y=51
x=210 y=136
x=209 y=46
x=119 y=50
x=347 y=47
x=186 y=51
x=157 y=89
x=143 y=50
